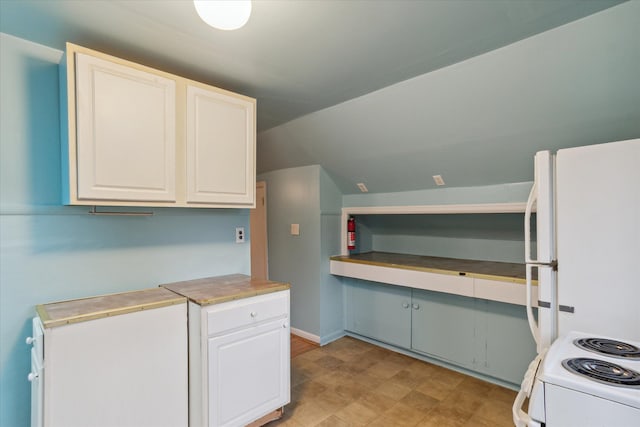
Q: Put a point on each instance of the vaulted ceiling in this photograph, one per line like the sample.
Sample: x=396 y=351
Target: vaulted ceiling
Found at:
x=365 y=88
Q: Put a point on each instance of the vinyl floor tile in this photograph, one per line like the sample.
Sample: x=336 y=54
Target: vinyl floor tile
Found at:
x=354 y=383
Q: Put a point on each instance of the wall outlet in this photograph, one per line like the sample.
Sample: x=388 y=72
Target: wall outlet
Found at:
x=239 y=234
x=295 y=229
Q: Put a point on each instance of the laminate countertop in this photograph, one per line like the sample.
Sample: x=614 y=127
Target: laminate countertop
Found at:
x=216 y=290
x=503 y=271
x=84 y=309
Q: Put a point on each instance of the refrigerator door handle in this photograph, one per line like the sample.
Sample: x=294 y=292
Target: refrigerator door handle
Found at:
x=533 y=195
x=533 y=325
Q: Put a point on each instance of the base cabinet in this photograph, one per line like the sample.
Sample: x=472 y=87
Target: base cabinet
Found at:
x=488 y=337
x=239 y=360
x=127 y=370
x=443 y=325
x=507 y=341
x=380 y=312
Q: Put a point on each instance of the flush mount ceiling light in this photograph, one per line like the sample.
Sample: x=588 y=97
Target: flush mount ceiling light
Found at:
x=224 y=14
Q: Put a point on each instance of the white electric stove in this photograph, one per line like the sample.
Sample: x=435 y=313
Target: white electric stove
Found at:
x=583 y=380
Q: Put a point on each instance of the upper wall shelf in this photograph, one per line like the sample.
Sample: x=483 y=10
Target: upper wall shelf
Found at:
x=478 y=208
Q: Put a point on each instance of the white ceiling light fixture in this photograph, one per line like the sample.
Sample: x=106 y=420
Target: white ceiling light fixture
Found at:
x=224 y=14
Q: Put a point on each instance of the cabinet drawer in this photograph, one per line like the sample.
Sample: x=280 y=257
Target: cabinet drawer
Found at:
x=245 y=312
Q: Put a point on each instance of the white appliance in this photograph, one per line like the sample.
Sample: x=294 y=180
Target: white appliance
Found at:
x=587 y=246
x=577 y=386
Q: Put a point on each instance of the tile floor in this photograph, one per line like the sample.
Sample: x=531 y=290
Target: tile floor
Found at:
x=353 y=383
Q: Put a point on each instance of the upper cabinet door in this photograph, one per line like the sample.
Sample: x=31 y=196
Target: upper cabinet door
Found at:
x=126 y=132
x=220 y=147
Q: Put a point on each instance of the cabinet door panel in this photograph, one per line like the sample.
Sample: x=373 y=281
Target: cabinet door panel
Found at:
x=220 y=147
x=248 y=373
x=380 y=312
x=125 y=132
x=509 y=344
x=443 y=326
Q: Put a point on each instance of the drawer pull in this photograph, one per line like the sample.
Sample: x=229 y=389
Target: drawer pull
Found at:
x=254 y=314
x=405 y=305
x=416 y=306
x=32 y=376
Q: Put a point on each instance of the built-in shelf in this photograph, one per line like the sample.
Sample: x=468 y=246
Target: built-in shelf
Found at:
x=478 y=208
x=496 y=281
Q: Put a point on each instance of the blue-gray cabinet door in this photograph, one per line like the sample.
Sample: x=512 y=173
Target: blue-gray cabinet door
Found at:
x=508 y=344
x=443 y=326
x=381 y=312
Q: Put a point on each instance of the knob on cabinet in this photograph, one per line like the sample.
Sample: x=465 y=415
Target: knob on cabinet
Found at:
x=405 y=305
x=32 y=376
x=30 y=340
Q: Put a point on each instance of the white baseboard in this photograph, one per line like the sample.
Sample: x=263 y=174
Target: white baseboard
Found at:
x=305 y=335
x=316 y=339
x=332 y=337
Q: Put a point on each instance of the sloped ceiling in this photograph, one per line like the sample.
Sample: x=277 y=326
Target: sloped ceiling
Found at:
x=480 y=121
x=370 y=90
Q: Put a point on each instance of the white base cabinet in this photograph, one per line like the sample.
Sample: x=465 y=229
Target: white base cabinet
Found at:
x=239 y=360
x=127 y=370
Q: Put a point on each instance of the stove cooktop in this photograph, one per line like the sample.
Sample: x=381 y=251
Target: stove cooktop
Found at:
x=603 y=371
x=596 y=371
x=609 y=347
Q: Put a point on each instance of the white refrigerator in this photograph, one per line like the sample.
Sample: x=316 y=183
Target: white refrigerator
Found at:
x=587 y=242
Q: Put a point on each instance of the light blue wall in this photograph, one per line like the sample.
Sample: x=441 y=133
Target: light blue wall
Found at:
x=306 y=196
x=501 y=193
x=489 y=237
x=49 y=252
x=494 y=237
x=331 y=321
x=293 y=198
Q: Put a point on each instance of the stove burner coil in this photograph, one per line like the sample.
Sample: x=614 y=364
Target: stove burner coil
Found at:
x=609 y=347
x=603 y=371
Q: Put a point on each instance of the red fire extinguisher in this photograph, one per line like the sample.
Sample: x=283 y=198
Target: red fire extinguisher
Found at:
x=351 y=233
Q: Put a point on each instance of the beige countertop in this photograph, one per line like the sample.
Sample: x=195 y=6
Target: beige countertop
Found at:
x=216 y=290
x=80 y=310
x=491 y=270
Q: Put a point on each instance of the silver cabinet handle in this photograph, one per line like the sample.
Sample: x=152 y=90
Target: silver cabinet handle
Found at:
x=405 y=305
x=30 y=340
x=254 y=314
x=32 y=376
x=416 y=306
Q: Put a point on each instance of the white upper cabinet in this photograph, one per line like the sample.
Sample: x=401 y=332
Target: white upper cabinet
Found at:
x=220 y=154
x=126 y=137
x=135 y=136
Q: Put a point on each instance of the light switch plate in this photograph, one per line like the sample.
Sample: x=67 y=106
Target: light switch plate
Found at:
x=295 y=229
